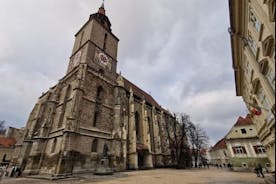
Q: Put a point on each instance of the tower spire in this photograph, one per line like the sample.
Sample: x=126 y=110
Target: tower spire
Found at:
x=101 y=9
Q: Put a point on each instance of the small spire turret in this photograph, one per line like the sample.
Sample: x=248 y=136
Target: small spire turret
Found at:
x=101 y=9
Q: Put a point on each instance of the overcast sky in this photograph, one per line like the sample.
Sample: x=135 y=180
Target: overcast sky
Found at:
x=178 y=51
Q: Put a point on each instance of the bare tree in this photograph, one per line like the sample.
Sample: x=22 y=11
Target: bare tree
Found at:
x=198 y=140
x=177 y=135
x=184 y=150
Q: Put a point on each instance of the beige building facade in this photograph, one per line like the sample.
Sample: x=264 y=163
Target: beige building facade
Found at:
x=8 y=143
x=219 y=153
x=253 y=52
x=241 y=148
x=245 y=150
x=93 y=113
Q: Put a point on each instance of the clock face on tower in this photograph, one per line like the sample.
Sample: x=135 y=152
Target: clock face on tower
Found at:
x=103 y=60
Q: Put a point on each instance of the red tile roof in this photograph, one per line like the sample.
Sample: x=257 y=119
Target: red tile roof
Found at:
x=221 y=144
x=7 y=142
x=243 y=121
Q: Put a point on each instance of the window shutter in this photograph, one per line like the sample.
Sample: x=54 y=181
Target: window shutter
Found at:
x=256 y=149
x=243 y=149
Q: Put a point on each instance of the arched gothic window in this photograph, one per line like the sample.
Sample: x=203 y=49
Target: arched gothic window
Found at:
x=100 y=94
x=96 y=114
x=268 y=46
x=54 y=145
x=137 y=119
x=148 y=124
x=68 y=92
x=94 y=145
x=105 y=38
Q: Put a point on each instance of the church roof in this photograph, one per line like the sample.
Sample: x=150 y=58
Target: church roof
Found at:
x=140 y=93
x=243 y=121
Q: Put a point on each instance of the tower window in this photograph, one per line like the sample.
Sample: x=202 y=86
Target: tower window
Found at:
x=54 y=146
x=81 y=38
x=95 y=119
x=100 y=94
x=105 y=38
x=94 y=145
x=68 y=92
x=101 y=71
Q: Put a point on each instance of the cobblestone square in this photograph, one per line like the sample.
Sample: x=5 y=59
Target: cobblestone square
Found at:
x=156 y=176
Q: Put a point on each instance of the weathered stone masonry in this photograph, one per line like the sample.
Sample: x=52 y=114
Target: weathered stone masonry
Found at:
x=93 y=105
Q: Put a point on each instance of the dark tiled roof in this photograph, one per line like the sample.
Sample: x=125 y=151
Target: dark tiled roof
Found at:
x=140 y=93
x=243 y=121
x=7 y=142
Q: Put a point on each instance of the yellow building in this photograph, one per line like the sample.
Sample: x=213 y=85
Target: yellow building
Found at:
x=219 y=153
x=252 y=40
x=245 y=150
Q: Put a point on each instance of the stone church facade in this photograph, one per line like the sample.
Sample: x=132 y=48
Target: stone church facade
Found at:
x=93 y=107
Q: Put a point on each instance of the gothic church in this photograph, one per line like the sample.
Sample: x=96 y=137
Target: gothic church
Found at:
x=90 y=108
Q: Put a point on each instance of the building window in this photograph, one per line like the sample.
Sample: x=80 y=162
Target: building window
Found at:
x=100 y=94
x=239 y=150
x=105 y=38
x=263 y=64
x=101 y=72
x=254 y=20
x=54 y=146
x=81 y=38
x=268 y=46
x=137 y=120
x=252 y=44
x=256 y=86
x=259 y=149
x=95 y=119
x=148 y=124
x=271 y=9
x=94 y=145
x=225 y=154
x=243 y=131
x=271 y=78
x=66 y=99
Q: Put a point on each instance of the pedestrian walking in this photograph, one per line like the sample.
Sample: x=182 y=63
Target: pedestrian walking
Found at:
x=257 y=171
x=260 y=169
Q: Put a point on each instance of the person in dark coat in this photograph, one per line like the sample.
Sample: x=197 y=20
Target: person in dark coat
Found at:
x=260 y=169
x=257 y=171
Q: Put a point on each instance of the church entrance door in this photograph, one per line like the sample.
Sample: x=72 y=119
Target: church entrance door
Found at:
x=140 y=160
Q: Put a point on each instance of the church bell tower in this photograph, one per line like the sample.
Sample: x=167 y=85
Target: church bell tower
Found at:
x=96 y=45
x=72 y=122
